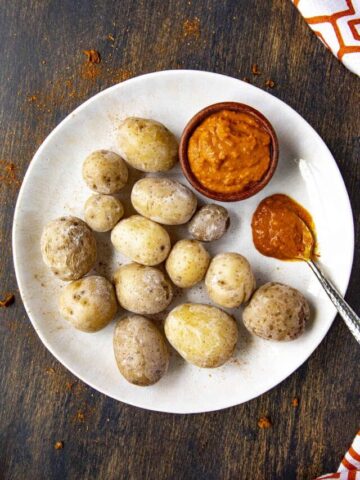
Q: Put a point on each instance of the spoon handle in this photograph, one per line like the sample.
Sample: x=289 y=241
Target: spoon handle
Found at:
x=346 y=312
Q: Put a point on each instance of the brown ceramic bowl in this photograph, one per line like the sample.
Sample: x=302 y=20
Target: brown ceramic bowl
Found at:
x=195 y=122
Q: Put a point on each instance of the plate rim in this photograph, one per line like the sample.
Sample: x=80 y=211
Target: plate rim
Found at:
x=16 y=214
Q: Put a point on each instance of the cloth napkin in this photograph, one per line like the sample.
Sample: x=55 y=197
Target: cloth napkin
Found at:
x=349 y=468
x=337 y=24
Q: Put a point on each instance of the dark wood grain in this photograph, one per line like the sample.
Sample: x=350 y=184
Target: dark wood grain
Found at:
x=42 y=80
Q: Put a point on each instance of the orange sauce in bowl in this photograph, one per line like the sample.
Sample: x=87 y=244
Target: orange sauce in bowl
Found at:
x=283 y=229
x=229 y=151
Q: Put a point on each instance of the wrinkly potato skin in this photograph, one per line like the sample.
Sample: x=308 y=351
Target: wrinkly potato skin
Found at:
x=89 y=304
x=140 y=350
x=105 y=172
x=187 y=263
x=68 y=247
x=102 y=212
x=277 y=312
x=203 y=335
x=163 y=200
x=147 y=145
x=229 y=280
x=209 y=223
x=141 y=289
x=142 y=240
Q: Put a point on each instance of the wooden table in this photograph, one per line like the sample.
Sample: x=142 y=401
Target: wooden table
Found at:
x=43 y=78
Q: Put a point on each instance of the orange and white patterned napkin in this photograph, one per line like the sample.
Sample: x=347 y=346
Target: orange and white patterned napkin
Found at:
x=349 y=468
x=337 y=25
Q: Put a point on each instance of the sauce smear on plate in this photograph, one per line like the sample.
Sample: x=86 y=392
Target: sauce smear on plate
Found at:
x=283 y=229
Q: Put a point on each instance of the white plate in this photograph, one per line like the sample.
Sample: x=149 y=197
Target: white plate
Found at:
x=53 y=187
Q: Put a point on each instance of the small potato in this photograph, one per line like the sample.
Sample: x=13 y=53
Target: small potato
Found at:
x=68 y=247
x=277 y=312
x=163 y=200
x=187 y=263
x=229 y=280
x=88 y=304
x=105 y=172
x=140 y=350
x=141 y=289
x=142 y=240
x=147 y=145
x=205 y=336
x=102 y=212
x=209 y=223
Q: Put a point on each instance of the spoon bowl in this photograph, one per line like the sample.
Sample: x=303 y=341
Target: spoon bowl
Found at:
x=309 y=242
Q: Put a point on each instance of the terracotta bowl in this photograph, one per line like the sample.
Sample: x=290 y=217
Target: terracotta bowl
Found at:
x=199 y=118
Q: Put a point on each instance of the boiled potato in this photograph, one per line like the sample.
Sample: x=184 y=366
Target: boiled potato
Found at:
x=187 y=263
x=105 y=172
x=209 y=223
x=141 y=289
x=277 y=312
x=102 y=212
x=140 y=350
x=205 y=336
x=68 y=247
x=163 y=200
x=229 y=280
x=89 y=304
x=147 y=145
x=142 y=240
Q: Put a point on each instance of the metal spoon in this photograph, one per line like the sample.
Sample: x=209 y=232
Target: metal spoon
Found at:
x=347 y=313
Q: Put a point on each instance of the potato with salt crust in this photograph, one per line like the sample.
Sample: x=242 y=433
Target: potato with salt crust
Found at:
x=102 y=212
x=163 y=200
x=68 y=247
x=187 y=263
x=88 y=304
x=142 y=240
x=141 y=289
x=140 y=350
x=147 y=145
x=277 y=312
x=105 y=172
x=209 y=223
x=203 y=335
x=229 y=280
